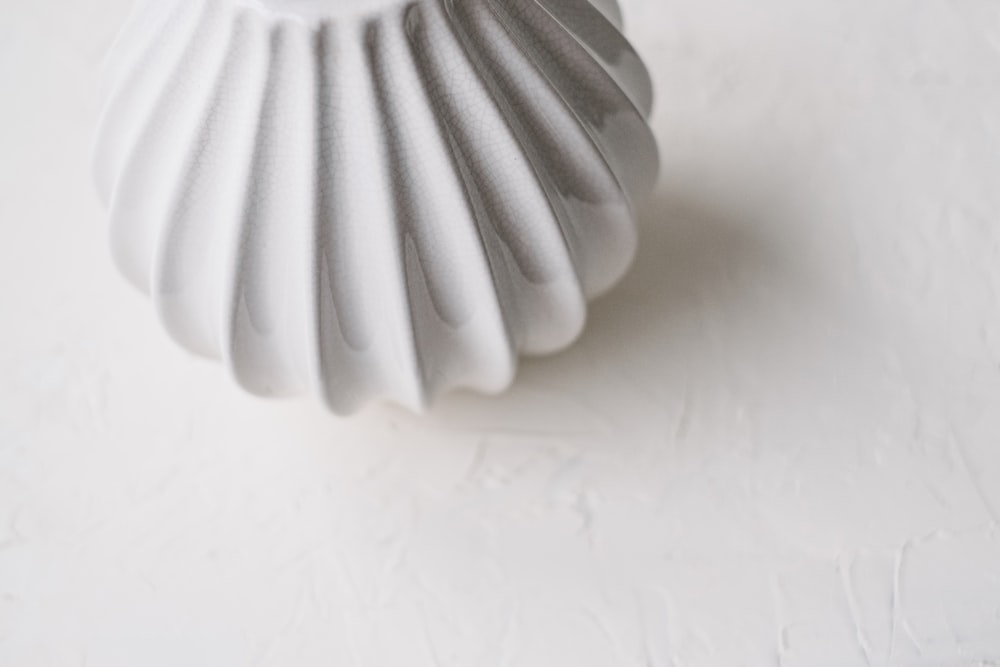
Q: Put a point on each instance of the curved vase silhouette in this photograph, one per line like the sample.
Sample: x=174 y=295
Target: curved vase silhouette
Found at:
x=374 y=199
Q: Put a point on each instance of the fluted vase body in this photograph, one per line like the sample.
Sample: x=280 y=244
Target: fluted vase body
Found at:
x=374 y=199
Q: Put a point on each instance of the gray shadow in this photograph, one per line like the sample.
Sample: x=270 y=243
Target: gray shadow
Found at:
x=703 y=256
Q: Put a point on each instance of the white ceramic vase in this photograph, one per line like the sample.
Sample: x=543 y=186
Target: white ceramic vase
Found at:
x=374 y=199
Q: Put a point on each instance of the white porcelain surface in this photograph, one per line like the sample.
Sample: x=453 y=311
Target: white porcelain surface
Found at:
x=774 y=445
x=374 y=198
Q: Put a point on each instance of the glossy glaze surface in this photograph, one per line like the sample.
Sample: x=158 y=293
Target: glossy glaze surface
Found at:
x=374 y=199
x=775 y=444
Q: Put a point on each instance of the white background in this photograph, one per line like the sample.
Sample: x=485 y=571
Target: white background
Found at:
x=777 y=444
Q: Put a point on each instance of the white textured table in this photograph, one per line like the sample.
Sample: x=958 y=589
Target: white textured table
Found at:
x=777 y=444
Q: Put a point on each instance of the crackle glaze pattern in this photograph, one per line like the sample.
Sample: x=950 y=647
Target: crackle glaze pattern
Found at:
x=374 y=198
x=775 y=446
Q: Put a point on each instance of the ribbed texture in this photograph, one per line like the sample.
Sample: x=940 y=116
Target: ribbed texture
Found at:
x=387 y=205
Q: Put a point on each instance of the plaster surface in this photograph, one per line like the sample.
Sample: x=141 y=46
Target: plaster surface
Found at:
x=777 y=444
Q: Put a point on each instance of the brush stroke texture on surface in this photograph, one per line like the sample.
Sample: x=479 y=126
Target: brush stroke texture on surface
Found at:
x=777 y=444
